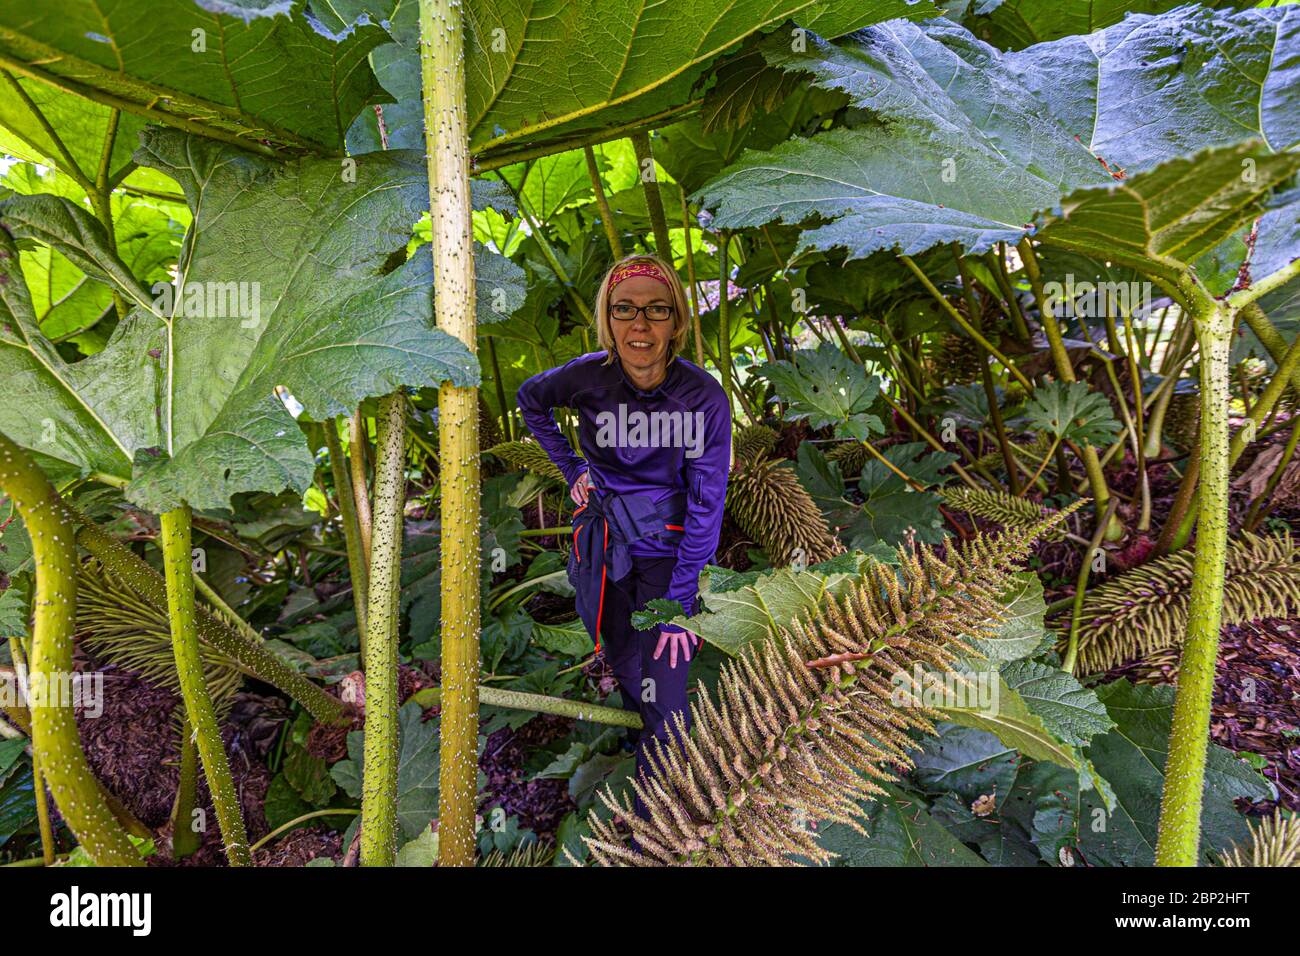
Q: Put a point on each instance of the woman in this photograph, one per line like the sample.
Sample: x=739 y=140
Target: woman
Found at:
x=656 y=433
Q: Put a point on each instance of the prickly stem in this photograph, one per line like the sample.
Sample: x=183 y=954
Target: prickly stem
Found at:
x=178 y=566
x=54 y=725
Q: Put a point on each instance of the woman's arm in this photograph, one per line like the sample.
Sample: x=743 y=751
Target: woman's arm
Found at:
x=706 y=493
x=538 y=398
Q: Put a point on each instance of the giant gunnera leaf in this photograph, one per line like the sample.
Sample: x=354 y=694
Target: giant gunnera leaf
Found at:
x=261 y=73
x=542 y=72
x=291 y=277
x=956 y=142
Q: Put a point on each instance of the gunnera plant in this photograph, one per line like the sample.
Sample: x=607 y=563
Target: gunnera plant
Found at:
x=753 y=441
x=806 y=723
x=1006 y=509
x=1144 y=611
x=1274 y=841
x=529 y=456
x=120 y=627
x=771 y=506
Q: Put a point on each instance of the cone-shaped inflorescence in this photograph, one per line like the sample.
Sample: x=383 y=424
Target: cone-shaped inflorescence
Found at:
x=1274 y=842
x=529 y=456
x=1144 y=611
x=120 y=627
x=769 y=504
x=806 y=723
x=753 y=441
x=851 y=456
x=1006 y=509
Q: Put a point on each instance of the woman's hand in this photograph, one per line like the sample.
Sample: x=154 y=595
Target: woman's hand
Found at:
x=676 y=641
x=581 y=489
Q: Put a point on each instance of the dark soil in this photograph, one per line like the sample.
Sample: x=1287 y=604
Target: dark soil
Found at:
x=540 y=805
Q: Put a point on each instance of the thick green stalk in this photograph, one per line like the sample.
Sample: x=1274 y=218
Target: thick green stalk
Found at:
x=38 y=779
x=254 y=658
x=602 y=203
x=1065 y=372
x=690 y=275
x=358 y=441
x=1178 y=842
x=54 y=726
x=1288 y=365
x=357 y=568
x=184 y=839
x=724 y=313
x=654 y=204
x=442 y=63
x=379 y=768
x=1261 y=506
x=179 y=568
x=541 y=704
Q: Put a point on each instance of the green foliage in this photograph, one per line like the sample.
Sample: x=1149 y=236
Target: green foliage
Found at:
x=947 y=101
x=417 y=774
x=1072 y=412
x=1132 y=758
x=829 y=389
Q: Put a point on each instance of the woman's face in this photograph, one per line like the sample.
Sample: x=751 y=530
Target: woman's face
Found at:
x=642 y=344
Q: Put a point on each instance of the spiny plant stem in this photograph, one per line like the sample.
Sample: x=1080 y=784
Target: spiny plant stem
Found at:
x=602 y=203
x=256 y=659
x=541 y=704
x=379 y=768
x=358 y=441
x=357 y=566
x=184 y=840
x=1081 y=587
x=442 y=62
x=179 y=568
x=54 y=726
x=654 y=204
x=1178 y=842
x=1065 y=372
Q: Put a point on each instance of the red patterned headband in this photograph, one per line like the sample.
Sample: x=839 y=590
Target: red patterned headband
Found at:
x=637 y=269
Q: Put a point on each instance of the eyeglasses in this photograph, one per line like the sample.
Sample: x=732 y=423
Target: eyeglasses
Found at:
x=655 y=313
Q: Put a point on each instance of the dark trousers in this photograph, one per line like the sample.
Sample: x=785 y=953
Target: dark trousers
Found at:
x=649 y=687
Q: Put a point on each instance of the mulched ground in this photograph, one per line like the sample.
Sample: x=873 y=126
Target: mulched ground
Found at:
x=1256 y=698
x=540 y=805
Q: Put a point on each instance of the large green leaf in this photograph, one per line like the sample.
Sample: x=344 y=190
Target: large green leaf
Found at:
x=828 y=388
x=1173 y=215
x=257 y=72
x=1023 y=631
x=1132 y=757
x=540 y=73
x=1072 y=412
x=900 y=832
x=960 y=143
x=191 y=398
x=997 y=708
x=1015 y=24
x=1070 y=711
x=67 y=304
x=754 y=611
x=417 y=770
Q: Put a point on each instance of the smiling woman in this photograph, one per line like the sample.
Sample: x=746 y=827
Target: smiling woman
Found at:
x=655 y=430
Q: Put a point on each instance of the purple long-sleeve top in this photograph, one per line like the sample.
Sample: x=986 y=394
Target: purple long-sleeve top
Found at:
x=674 y=438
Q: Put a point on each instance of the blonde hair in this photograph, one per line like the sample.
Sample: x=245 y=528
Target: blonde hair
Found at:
x=681 y=311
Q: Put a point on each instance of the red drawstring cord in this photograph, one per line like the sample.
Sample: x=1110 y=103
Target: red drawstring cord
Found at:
x=600 y=608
